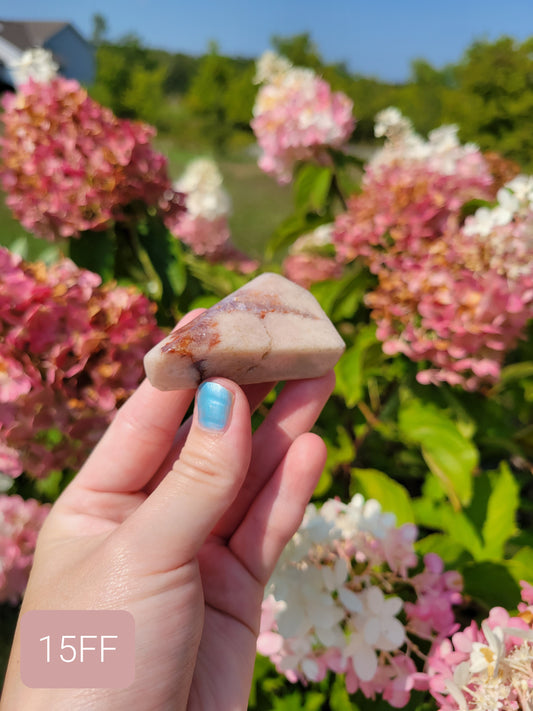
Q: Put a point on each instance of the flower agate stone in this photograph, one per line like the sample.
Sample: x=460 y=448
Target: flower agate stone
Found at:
x=270 y=329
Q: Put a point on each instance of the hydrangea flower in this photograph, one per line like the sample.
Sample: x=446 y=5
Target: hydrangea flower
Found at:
x=412 y=191
x=71 y=352
x=36 y=63
x=308 y=262
x=69 y=165
x=455 y=297
x=203 y=225
x=20 y=522
x=334 y=600
x=487 y=667
x=296 y=116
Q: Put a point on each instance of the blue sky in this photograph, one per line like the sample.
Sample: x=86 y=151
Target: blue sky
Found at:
x=378 y=38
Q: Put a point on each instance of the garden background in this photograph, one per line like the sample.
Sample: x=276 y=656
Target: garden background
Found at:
x=427 y=273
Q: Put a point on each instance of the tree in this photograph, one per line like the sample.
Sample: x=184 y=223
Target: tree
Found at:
x=129 y=79
x=99 y=29
x=221 y=96
x=494 y=101
x=299 y=49
x=181 y=69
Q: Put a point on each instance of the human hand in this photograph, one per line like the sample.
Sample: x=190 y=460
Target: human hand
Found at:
x=182 y=528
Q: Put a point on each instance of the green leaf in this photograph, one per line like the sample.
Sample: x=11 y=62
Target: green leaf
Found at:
x=341 y=298
x=166 y=256
x=516 y=371
x=492 y=583
x=521 y=564
x=291 y=228
x=462 y=529
x=341 y=452
x=94 y=251
x=205 y=301
x=339 y=699
x=296 y=701
x=392 y=496
x=350 y=369
x=50 y=488
x=427 y=513
x=441 y=544
x=447 y=452
x=471 y=206
x=311 y=188
x=500 y=520
x=214 y=278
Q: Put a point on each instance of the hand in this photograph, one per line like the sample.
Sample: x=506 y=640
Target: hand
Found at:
x=182 y=528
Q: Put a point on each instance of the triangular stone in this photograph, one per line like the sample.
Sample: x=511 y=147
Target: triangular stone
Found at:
x=270 y=329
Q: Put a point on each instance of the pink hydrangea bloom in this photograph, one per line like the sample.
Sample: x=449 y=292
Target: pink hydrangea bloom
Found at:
x=308 y=269
x=20 y=522
x=405 y=206
x=69 y=165
x=334 y=600
x=296 y=117
x=310 y=261
x=71 y=352
x=486 y=667
x=455 y=297
x=449 y=307
x=205 y=237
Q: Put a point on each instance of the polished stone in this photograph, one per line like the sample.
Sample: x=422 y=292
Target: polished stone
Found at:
x=268 y=330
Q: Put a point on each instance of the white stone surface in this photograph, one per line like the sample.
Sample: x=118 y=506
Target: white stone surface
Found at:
x=271 y=329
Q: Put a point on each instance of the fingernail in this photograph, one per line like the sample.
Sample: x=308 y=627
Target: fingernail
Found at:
x=214 y=406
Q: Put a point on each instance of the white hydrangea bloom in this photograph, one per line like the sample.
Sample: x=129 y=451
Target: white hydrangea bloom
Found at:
x=510 y=248
x=360 y=516
x=487 y=657
x=391 y=123
x=204 y=194
x=270 y=66
x=309 y=608
x=361 y=654
x=445 y=150
x=37 y=64
x=295 y=80
x=382 y=628
x=522 y=188
x=461 y=677
x=442 y=151
x=320 y=237
x=485 y=220
x=374 y=627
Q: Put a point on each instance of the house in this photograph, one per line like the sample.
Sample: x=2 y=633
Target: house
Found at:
x=72 y=52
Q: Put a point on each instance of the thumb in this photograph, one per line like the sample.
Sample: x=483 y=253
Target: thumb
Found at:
x=168 y=529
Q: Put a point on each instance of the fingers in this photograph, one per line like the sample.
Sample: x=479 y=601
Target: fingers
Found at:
x=278 y=510
x=171 y=525
x=138 y=439
x=294 y=412
x=255 y=394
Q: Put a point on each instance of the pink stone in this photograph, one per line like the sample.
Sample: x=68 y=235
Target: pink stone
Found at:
x=270 y=329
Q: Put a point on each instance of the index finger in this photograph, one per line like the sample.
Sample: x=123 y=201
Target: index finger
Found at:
x=138 y=439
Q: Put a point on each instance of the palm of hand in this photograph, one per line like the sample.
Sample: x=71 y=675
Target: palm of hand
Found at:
x=186 y=548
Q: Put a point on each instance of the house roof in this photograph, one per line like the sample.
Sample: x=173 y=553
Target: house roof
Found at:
x=25 y=35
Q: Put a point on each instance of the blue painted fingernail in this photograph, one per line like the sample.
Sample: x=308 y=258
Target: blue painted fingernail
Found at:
x=214 y=406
